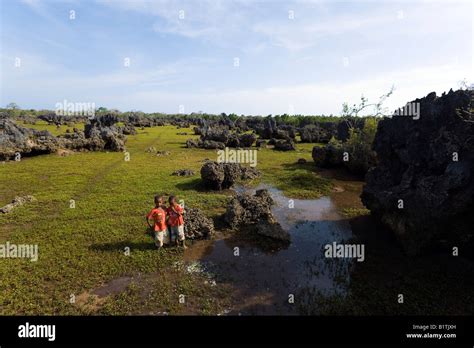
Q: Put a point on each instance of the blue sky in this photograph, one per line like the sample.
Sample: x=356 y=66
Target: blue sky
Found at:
x=298 y=56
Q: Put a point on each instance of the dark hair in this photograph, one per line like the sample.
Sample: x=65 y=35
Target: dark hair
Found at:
x=172 y=198
x=157 y=199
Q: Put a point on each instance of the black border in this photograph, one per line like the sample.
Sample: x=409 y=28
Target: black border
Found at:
x=194 y=330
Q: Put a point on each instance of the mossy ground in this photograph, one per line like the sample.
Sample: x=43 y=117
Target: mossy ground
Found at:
x=82 y=248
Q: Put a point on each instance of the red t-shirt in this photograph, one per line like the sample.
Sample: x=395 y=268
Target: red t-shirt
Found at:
x=175 y=217
x=159 y=216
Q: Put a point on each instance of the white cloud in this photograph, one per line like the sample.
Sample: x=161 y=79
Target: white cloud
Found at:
x=306 y=99
x=310 y=98
x=114 y=90
x=246 y=26
x=249 y=23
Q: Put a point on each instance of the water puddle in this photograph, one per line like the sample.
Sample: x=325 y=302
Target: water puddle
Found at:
x=266 y=277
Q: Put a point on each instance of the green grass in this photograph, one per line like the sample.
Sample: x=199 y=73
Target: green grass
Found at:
x=82 y=248
x=354 y=212
x=295 y=180
x=43 y=125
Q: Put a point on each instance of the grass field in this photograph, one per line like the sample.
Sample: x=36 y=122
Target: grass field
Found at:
x=82 y=248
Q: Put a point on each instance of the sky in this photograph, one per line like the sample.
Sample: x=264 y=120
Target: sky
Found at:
x=250 y=57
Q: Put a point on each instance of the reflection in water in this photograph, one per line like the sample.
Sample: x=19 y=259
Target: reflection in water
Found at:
x=265 y=280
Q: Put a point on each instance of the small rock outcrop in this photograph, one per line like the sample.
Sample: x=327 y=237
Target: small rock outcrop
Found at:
x=284 y=145
x=255 y=211
x=211 y=145
x=219 y=138
x=220 y=176
x=247 y=140
x=197 y=225
x=192 y=143
x=183 y=172
x=318 y=133
x=162 y=153
x=128 y=129
x=328 y=156
x=249 y=173
x=16 y=202
x=270 y=129
x=272 y=230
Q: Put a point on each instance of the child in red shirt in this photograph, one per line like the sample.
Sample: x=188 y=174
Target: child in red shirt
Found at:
x=176 y=222
x=158 y=215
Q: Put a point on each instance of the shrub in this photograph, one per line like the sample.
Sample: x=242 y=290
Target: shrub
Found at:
x=359 y=148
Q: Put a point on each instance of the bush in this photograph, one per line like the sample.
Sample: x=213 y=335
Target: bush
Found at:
x=329 y=155
x=359 y=148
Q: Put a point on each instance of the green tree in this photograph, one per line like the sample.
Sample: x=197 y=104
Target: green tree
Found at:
x=13 y=106
x=12 y=109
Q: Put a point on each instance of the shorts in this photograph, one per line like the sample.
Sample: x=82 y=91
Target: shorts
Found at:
x=177 y=232
x=161 y=237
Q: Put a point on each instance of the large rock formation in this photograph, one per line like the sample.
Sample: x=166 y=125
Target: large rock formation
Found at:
x=219 y=176
x=15 y=139
x=197 y=225
x=99 y=134
x=102 y=131
x=248 y=209
x=255 y=211
x=268 y=130
x=423 y=185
